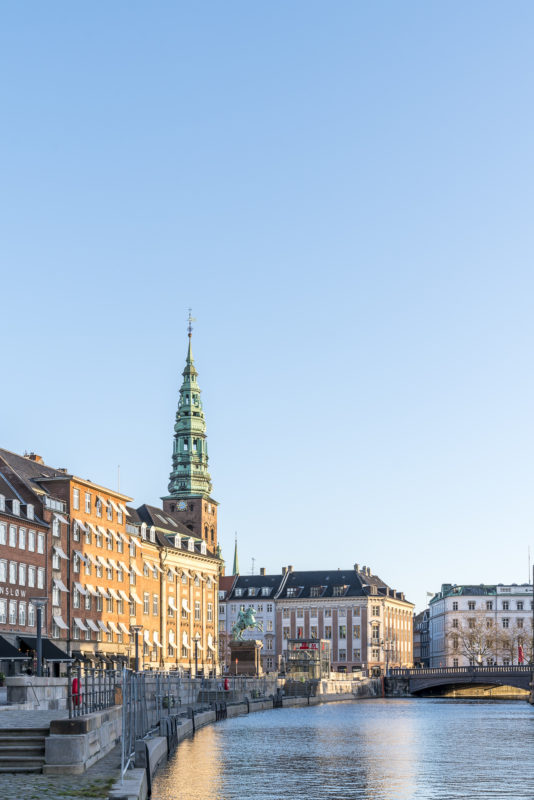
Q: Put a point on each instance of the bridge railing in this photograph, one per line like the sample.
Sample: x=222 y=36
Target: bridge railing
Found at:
x=500 y=669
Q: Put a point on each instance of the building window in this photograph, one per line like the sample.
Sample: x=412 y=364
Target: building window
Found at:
x=342 y=631
x=375 y=611
x=454 y=662
x=75 y=598
x=87 y=602
x=505 y=605
x=342 y=655
x=489 y=605
x=197 y=610
x=22 y=538
x=22 y=576
x=109 y=605
x=3 y=571
x=76 y=499
x=210 y=612
x=146 y=603
x=119 y=517
x=31 y=615
x=455 y=623
x=269 y=608
x=471 y=622
x=471 y=605
x=339 y=590
x=3 y=611
x=520 y=605
x=455 y=605
x=505 y=622
x=356 y=655
x=31 y=541
x=12 y=535
x=356 y=631
x=99 y=604
x=109 y=511
x=12 y=612
x=3 y=534
x=40 y=577
x=31 y=577
x=55 y=596
x=155 y=605
x=520 y=622
x=327 y=631
x=375 y=654
x=56 y=528
x=12 y=571
x=98 y=506
x=292 y=591
x=313 y=632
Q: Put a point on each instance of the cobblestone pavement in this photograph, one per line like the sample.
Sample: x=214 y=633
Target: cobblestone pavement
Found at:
x=94 y=784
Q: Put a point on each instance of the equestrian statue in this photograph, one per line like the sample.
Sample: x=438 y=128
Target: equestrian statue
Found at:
x=245 y=621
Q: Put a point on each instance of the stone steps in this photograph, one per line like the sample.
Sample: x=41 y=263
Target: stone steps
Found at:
x=22 y=749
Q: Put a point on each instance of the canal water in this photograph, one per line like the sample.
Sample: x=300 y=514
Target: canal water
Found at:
x=393 y=749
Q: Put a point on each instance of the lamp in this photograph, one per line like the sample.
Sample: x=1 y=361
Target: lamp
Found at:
x=39 y=603
x=136 y=628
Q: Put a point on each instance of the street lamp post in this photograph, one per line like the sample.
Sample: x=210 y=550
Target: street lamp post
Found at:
x=196 y=640
x=136 y=628
x=39 y=603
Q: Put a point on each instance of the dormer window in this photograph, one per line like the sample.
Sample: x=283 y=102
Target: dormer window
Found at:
x=29 y=511
x=15 y=507
x=339 y=590
x=222 y=594
x=191 y=545
x=265 y=591
x=203 y=548
x=251 y=591
x=293 y=591
x=239 y=592
x=152 y=534
x=143 y=530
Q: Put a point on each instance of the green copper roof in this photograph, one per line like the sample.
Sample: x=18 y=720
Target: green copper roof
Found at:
x=190 y=474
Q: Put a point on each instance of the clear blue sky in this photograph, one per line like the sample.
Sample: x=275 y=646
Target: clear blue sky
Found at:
x=343 y=192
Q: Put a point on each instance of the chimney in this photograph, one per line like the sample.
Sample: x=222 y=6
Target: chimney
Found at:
x=262 y=570
x=369 y=571
x=290 y=568
x=356 y=568
x=364 y=569
x=284 y=570
x=35 y=457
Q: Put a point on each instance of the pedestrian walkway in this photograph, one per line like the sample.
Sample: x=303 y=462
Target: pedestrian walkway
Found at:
x=13 y=718
x=94 y=784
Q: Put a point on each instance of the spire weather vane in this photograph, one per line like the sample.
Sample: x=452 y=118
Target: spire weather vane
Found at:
x=190 y=321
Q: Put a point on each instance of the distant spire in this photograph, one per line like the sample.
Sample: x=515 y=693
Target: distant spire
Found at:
x=190 y=321
x=235 y=569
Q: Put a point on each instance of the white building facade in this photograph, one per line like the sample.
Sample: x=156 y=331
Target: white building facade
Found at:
x=472 y=625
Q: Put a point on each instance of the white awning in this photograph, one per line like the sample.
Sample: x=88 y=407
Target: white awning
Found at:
x=172 y=604
x=199 y=575
x=172 y=644
x=92 y=527
x=146 y=638
x=92 y=559
x=61 y=519
x=114 y=505
x=184 y=640
x=92 y=624
x=124 y=595
x=80 y=524
x=186 y=573
x=152 y=564
x=80 y=587
x=185 y=606
x=124 y=629
x=102 y=625
x=59 y=622
x=210 y=643
x=155 y=637
x=102 y=530
x=91 y=589
x=113 y=593
x=60 y=552
x=113 y=563
x=113 y=626
x=135 y=597
x=81 y=556
x=115 y=535
x=124 y=509
x=124 y=567
x=80 y=624
x=60 y=585
x=103 y=592
x=102 y=499
x=136 y=570
x=103 y=561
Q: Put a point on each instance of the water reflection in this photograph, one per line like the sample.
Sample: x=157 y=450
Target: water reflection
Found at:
x=382 y=749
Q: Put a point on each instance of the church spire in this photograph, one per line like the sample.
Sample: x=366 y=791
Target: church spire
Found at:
x=235 y=568
x=189 y=476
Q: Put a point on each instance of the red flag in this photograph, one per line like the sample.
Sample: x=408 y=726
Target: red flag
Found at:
x=520 y=655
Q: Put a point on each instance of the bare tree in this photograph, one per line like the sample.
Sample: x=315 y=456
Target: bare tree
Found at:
x=473 y=637
x=511 y=638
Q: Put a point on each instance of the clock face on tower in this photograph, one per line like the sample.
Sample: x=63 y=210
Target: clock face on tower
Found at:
x=182 y=505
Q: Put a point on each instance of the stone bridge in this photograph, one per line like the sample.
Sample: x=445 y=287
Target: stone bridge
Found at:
x=418 y=680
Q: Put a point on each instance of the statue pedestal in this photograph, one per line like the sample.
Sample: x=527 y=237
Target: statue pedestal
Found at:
x=246 y=657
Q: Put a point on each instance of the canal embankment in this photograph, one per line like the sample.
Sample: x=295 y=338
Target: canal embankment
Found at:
x=152 y=751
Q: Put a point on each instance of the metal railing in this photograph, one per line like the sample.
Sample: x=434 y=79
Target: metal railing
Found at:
x=150 y=697
x=476 y=670
x=91 y=690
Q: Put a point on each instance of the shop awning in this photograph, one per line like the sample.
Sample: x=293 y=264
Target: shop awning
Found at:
x=124 y=629
x=92 y=624
x=8 y=651
x=185 y=606
x=50 y=651
x=80 y=624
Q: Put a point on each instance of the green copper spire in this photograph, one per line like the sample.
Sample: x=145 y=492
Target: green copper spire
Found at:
x=190 y=476
x=235 y=568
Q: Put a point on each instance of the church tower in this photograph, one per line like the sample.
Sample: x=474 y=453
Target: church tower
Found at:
x=190 y=482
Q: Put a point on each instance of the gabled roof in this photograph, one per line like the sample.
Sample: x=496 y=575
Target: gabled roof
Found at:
x=165 y=520
x=226 y=584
